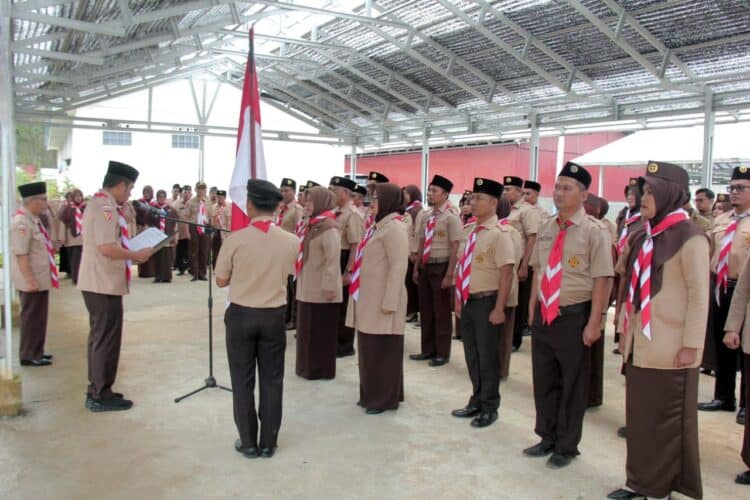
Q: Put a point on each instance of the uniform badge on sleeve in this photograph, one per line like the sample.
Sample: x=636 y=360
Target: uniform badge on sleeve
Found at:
x=107 y=214
x=22 y=230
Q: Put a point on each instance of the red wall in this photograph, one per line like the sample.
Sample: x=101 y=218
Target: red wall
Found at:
x=462 y=165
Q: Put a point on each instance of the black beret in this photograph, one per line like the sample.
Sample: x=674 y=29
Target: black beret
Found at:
x=377 y=177
x=32 y=189
x=214 y=188
x=442 y=182
x=532 y=185
x=221 y=192
x=262 y=191
x=667 y=171
x=740 y=173
x=200 y=185
x=286 y=182
x=488 y=186
x=187 y=187
x=511 y=180
x=122 y=170
x=176 y=186
x=577 y=172
x=343 y=182
x=361 y=190
x=310 y=184
x=723 y=198
x=302 y=188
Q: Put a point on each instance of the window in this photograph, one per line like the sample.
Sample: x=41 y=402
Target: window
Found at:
x=185 y=141
x=112 y=138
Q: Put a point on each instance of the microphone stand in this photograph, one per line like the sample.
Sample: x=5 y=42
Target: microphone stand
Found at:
x=210 y=381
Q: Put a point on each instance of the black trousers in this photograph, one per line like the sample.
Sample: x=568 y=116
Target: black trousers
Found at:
x=345 y=334
x=74 y=258
x=481 y=340
x=34 y=309
x=728 y=361
x=256 y=337
x=522 y=310
x=560 y=384
x=435 y=310
x=182 y=255
x=105 y=340
x=412 y=291
x=291 y=302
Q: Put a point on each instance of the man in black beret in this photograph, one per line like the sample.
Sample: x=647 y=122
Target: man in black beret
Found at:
x=288 y=217
x=103 y=279
x=573 y=271
x=358 y=198
x=176 y=192
x=301 y=194
x=483 y=290
x=440 y=232
x=256 y=262
x=182 y=252
x=531 y=190
x=33 y=272
x=222 y=219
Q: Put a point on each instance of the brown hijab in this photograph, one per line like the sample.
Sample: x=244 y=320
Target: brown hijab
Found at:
x=390 y=200
x=503 y=208
x=322 y=200
x=415 y=195
x=670 y=193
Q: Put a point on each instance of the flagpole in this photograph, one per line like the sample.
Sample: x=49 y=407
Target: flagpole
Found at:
x=251 y=73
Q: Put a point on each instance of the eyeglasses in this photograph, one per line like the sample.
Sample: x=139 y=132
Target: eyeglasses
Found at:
x=737 y=188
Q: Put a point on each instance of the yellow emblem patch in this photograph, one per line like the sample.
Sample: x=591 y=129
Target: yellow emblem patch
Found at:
x=507 y=180
x=107 y=215
x=653 y=168
x=633 y=182
x=374 y=176
x=336 y=180
x=479 y=259
x=743 y=170
x=480 y=182
x=441 y=234
x=574 y=168
x=573 y=261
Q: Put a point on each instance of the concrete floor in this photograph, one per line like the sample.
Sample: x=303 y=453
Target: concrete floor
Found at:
x=328 y=448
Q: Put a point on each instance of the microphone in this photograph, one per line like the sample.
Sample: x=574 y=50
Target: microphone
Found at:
x=144 y=207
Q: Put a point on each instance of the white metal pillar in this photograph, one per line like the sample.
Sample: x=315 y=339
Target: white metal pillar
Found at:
x=707 y=175
x=7 y=166
x=534 y=149
x=201 y=156
x=353 y=163
x=600 y=187
x=425 y=161
x=560 y=160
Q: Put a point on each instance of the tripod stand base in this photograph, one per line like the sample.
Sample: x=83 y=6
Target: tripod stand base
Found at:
x=209 y=383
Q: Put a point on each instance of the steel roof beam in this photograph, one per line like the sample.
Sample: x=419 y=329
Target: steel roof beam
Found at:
x=108 y=28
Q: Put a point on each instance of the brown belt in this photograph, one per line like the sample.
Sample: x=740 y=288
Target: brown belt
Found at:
x=437 y=260
x=482 y=295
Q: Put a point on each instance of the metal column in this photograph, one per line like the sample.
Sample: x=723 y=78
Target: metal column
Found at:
x=201 y=155
x=353 y=163
x=534 y=149
x=707 y=175
x=425 y=161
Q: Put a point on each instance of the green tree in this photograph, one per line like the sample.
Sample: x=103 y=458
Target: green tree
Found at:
x=30 y=148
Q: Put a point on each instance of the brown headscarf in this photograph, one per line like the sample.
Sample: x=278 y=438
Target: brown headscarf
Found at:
x=414 y=195
x=322 y=200
x=390 y=200
x=593 y=205
x=669 y=195
x=503 y=208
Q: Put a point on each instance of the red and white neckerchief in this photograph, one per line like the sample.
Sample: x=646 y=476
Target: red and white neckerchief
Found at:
x=124 y=234
x=263 y=225
x=300 y=254
x=471 y=220
x=369 y=222
x=463 y=274
x=354 y=285
x=282 y=211
x=629 y=219
x=201 y=217
x=429 y=233
x=549 y=288
x=722 y=267
x=413 y=204
x=50 y=252
x=503 y=222
x=79 y=218
x=641 y=274
x=299 y=227
x=163 y=221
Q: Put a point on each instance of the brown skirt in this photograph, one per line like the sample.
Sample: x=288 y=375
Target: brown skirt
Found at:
x=505 y=346
x=146 y=270
x=662 y=422
x=163 y=260
x=381 y=371
x=746 y=439
x=317 y=340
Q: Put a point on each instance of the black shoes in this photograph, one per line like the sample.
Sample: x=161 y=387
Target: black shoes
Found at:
x=421 y=357
x=194 y=278
x=48 y=357
x=344 y=354
x=458 y=337
x=267 y=452
x=89 y=399
x=743 y=478
x=539 y=450
x=203 y=278
x=290 y=326
x=515 y=348
x=622 y=432
x=412 y=318
x=374 y=411
x=717 y=405
x=438 y=361
x=109 y=404
x=616 y=351
x=741 y=416
x=559 y=460
x=36 y=362
x=622 y=493
x=246 y=451
x=485 y=419
x=467 y=412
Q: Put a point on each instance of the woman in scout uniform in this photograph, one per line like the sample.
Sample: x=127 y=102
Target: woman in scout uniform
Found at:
x=71 y=216
x=413 y=201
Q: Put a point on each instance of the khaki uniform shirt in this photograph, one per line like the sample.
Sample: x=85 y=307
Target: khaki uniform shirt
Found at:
x=587 y=254
x=612 y=229
x=740 y=244
x=494 y=249
x=543 y=213
x=518 y=251
x=101 y=226
x=448 y=229
x=222 y=218
x=257 y=265
x=194 y=205
x=183 y=230
x=381 y=308
x=414 y=231
x=678 y=312
x=702 y=222
x=351 y=224
x=321 y=269
x=525 y=218
x=292 y=216
x=738 y=319
x=27 y=239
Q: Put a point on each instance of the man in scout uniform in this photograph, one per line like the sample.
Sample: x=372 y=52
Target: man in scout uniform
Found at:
x=730 y=236
x=222 y=219
x=301 y=194
x=33 y=272
x=352 y=230
x=531 y=190
x=199 y=210
x=374 y=178
x=256 y=262
x=359 y=200
x=288 y=216
x=526 y=219
x=483 y=285
x=182 y=252
x=573 y=272
x=145 y=270
x=704 y=202
x=176 y=194
x=440 y=232
x=103 y=280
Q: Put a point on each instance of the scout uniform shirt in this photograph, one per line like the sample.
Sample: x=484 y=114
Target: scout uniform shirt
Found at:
x=703 y=222
x=494 y=249
x=27 y=239
x=321 y=269
x=674 y=324
x=413 y=230
x=543 y=213
x=183 y=230
x=740 y=243
x=222 y=217
x=525 y=218
x=587 y=254
x=101 y=226
x=194 y=205
x=448 y=228
x=738 y=318
x=292 y=216
x=260 y=263
x=351 y=224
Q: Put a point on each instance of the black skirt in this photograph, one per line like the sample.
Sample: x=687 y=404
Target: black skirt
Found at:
x=381 y=370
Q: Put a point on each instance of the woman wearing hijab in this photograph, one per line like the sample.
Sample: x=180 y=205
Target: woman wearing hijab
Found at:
x=413 y=202
x=666 y=268
x=505 y=345
x=71 y=215
x=318 y=288
x=377 y=303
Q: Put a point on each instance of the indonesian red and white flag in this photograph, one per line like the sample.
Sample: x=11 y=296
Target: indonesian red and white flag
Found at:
x=249 y=162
